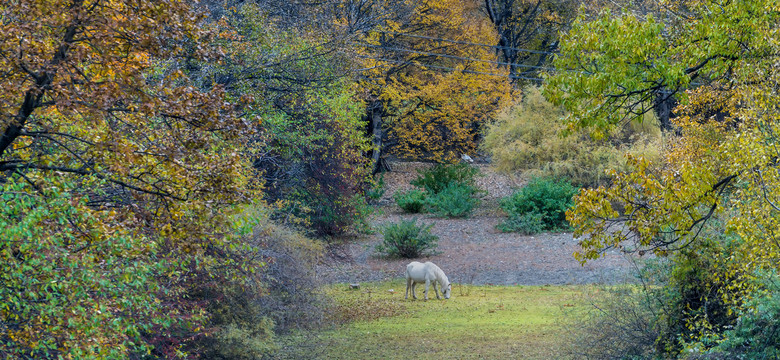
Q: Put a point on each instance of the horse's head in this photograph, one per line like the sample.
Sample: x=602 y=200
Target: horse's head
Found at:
x=447 y=290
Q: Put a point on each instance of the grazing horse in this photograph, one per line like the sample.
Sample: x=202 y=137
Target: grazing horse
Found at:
x=418 y=273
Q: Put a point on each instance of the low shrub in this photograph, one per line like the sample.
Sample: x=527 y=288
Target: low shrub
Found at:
x=406 y=239
x=376 y=189
x=526 y=224
x=455 y=200
x=435 y=179
x=412 y=201
x=543 y=198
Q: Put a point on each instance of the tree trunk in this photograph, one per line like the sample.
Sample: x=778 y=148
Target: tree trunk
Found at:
x=664 y=103
x=378 y=163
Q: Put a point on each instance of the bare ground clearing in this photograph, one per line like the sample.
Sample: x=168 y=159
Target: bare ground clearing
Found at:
x=471 y=250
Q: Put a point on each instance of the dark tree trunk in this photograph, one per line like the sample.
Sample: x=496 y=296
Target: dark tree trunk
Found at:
x=664 y=103
x=375 y=127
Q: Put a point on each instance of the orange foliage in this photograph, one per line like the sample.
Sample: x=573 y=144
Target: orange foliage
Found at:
x=436 y=93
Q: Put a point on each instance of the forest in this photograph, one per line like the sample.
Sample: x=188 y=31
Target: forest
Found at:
x=173 y=174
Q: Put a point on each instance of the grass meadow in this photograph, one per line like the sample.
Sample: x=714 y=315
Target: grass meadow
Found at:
x=477 y=322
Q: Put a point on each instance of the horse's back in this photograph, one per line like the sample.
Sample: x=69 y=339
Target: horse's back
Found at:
x=416 y=271
x=419 y=272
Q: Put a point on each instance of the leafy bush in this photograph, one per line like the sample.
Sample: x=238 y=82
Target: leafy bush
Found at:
x=408 y=240
x=527 y=224
x=435 y=179
x=73 y=284
x=412 y=201
x=376 y=190
x=526 y=137
x=454 y=200
x=543 y=198
x=756 y=334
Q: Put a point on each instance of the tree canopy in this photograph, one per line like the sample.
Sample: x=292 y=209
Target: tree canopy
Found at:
x=115 y=172
x=711 y=206
x=435 y=87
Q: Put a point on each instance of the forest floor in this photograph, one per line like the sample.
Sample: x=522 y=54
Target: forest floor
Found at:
x=472 y=250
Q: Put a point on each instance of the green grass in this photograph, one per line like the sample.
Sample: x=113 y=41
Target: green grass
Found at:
x=478 y=322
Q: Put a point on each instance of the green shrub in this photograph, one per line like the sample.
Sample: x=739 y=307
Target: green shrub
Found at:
x=412 y=201
x=527 y=224
x=527 y=137
x=756 y=334
x=376 y=190
x=408 y=240
x=435 y=179
x=454 y=200
x=549 y=199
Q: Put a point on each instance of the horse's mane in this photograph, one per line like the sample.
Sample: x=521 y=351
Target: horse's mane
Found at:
x=441 y=275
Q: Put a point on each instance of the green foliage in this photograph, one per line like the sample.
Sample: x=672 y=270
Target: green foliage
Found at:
x=526 y=224
x=412 y=201
x=435 y=179
x=332 y=213
x=309 y=146
x=700 y=300
x=376 y=189
x=540 y=198
x=756 y=334
x=71 y=285
x=455 y=200
x=449 y=190
x=406 y=239
x=529 y=137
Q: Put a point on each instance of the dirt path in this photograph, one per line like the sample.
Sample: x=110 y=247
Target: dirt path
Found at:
x=472 y=251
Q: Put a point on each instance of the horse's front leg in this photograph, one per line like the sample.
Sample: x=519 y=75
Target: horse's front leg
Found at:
x=436 y=291
x=427 y=284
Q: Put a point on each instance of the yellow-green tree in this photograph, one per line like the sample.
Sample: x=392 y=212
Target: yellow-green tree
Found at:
x=720 y=58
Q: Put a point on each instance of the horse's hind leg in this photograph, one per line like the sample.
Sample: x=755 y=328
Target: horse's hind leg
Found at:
x=427 y=284
x=414 y=296
x=408 y=282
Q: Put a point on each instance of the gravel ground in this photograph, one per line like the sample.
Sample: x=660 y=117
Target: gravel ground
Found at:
x=472 y=251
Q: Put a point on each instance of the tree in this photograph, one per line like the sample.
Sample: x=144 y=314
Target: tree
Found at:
x=309 y=147
x=720 y=58
x=119 y=169
x=528 y=31
x=428 y=89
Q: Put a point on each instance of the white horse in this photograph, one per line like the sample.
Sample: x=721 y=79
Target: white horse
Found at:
x=418 y=273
